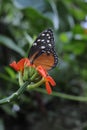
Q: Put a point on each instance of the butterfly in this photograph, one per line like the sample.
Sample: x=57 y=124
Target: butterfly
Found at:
x=43 y=52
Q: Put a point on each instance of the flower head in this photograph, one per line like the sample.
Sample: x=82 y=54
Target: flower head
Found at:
x=48 y=79
x=24 y=66
x=19 y=66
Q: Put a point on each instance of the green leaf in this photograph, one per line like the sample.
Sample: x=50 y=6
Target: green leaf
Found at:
x=37 y=4
x=10 y=44
x=37 y=20
x=65 y=37
x=1 y=125
x=78 y=13
x=7 y=78
x=10 y=72
x=75 y=47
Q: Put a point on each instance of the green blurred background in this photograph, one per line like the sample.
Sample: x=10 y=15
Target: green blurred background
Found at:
x=20 y=23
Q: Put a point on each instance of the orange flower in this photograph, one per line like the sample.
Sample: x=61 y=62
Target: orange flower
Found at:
x=19 y=66
x=48 y=79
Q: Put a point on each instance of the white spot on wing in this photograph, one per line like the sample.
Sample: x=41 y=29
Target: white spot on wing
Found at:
x=42 y=40
x=50 y=45
x=48 y=41
x=38 y=40
x=48 y=52
x=42 y=47
x=34 y=44
x=43 y=34
x=47 y=34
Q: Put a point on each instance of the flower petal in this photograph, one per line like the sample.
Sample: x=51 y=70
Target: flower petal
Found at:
x=27 y=62
x=14 y=66
x=19 y=66
x=51 y=80
x=42 y=71
x=48 y=88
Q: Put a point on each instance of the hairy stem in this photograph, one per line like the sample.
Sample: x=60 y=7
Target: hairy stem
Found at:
x=15 y=95
x=20 y=91
x=62 y=95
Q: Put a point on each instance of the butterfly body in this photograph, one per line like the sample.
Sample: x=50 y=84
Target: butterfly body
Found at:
x=42 y=51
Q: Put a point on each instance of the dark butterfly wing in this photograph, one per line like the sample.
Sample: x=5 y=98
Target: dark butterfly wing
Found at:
x=42 y=51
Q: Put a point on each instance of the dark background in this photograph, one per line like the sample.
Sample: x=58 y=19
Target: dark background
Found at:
x=20 y=23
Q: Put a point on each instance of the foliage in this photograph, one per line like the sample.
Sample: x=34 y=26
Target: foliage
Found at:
x=20 y=23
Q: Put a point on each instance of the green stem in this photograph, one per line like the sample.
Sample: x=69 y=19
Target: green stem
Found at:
x=62 y=95
x=20 y=91
x=34 y=76
x=33 y=86
x=20 y=79
x=14 y=95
